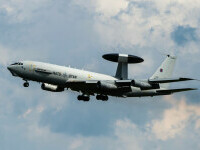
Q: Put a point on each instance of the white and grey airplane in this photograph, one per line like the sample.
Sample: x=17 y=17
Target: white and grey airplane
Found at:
x=58 y=78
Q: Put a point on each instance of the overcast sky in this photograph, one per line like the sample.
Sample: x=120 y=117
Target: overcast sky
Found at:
x=78 y=33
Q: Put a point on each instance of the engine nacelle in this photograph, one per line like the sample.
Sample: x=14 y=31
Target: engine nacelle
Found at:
x=105 y=86
x=144 y=85
x=52 y=88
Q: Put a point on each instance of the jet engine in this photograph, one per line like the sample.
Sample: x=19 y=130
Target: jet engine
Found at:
x=144 y=85
x=105 y=86
x=52 y=88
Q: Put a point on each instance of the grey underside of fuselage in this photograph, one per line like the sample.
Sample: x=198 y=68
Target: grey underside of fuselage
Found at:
x=46 y=78
x=43 y=77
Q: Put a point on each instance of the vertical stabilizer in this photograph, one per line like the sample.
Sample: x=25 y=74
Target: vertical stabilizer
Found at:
x=165 y=70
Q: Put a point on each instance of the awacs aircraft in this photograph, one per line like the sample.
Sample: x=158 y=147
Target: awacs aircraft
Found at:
x=57 y=78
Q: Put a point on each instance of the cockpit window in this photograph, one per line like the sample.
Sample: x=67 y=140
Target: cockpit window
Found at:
x=18 y=63
x=14 y=64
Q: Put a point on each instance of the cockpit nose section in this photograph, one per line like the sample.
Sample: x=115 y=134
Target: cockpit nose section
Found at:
x=9 y=68
x=14 y=68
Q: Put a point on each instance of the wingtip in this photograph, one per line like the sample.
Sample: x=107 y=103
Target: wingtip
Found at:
x=190 y=79
x=194 y=79
x=193 y=89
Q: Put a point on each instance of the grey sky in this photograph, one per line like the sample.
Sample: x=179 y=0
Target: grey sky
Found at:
x=77 y=33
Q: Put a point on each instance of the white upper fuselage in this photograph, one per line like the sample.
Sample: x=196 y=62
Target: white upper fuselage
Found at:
x=54 y=74
x=59 y=75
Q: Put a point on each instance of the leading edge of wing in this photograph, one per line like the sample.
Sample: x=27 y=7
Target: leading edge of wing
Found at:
x=164 y=91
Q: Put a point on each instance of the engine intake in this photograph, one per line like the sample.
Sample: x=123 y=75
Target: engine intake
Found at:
x=52 y=88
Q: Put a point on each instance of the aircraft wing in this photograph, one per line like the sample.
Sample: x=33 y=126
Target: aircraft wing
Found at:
x=168 y=80
x=170 y=91
x=80 y=82
x=82 y=85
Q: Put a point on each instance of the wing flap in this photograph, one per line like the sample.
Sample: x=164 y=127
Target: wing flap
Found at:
x=170 y=91
x=169 y=80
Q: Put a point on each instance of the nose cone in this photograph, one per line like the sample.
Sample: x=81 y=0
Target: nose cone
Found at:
x=12 y=70
x=9 y=68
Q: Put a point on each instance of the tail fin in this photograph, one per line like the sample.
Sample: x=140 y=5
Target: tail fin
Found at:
x=165 y=70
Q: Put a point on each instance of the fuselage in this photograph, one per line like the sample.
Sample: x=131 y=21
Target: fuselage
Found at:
x=56 y=78
x=59 y=75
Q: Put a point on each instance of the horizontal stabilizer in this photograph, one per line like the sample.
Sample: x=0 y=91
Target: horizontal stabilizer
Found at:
x=170 y=91
x=169 y=80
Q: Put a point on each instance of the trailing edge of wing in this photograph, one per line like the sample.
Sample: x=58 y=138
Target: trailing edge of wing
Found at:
x=174 y=90
x=169 y=80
